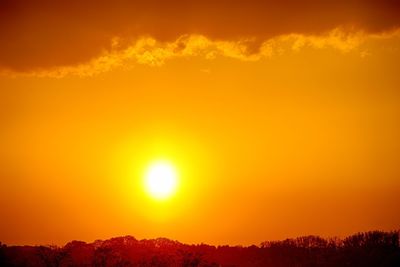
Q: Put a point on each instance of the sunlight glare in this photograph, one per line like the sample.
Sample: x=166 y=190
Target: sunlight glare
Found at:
x=161 y=180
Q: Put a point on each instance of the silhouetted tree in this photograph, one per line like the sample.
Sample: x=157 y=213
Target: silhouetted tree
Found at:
x=368 y=249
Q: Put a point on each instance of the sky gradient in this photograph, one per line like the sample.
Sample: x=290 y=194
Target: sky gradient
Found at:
x=281 y=119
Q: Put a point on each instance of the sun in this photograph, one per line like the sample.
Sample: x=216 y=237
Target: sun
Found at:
x=161 y=180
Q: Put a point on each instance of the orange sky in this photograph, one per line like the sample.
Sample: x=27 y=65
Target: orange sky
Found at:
x=282 y=119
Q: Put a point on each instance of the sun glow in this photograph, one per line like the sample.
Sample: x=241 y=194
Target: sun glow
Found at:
x=161 y=180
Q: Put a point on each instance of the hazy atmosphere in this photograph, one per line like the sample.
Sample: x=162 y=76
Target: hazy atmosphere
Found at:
x=211 y=122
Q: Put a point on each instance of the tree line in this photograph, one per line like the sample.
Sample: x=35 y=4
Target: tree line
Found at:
x=375 y=248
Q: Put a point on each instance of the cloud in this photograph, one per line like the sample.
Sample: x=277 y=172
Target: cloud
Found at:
x=92 y=36
x=150 y=51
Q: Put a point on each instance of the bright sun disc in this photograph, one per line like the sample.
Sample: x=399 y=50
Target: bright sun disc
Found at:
x=161 y=180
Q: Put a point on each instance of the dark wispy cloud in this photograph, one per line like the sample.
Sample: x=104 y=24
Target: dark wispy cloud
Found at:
x=47 y=34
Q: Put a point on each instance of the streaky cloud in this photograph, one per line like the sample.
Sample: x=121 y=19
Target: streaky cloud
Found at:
x=147 y=50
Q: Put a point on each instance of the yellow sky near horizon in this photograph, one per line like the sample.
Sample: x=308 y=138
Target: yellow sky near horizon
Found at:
x=301 y=143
